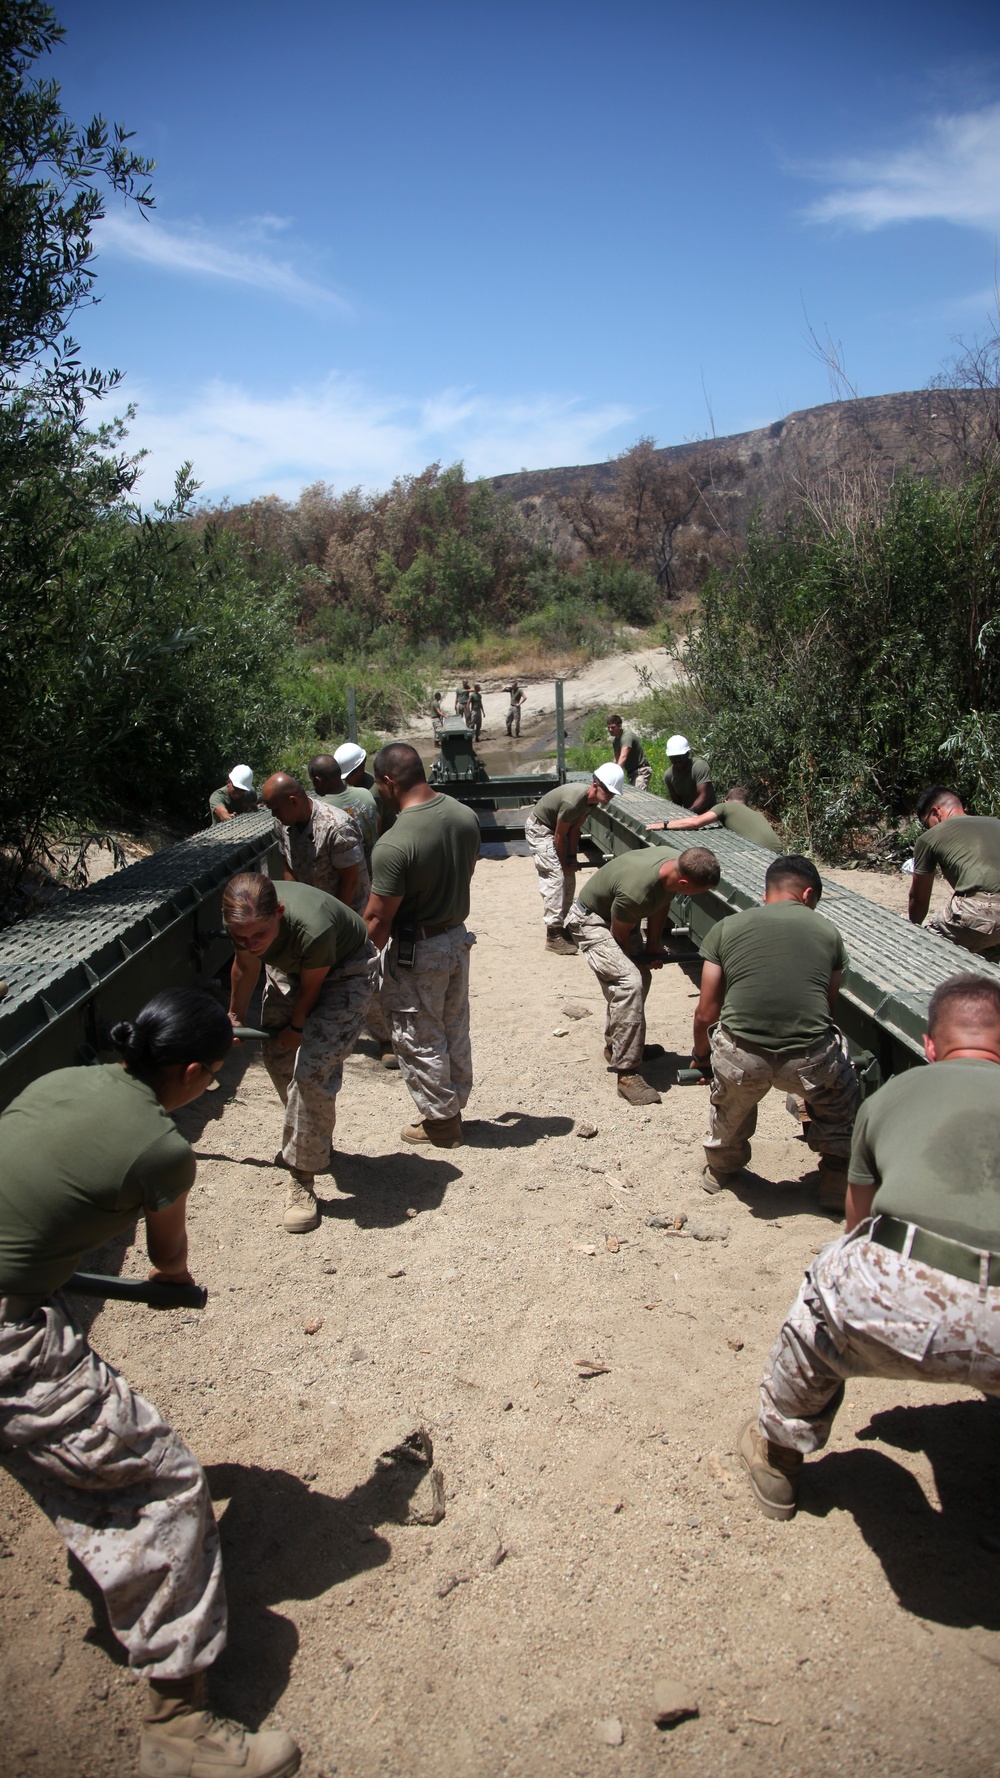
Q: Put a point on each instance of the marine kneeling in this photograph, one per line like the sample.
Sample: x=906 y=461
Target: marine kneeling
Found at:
x=912 y=1289
x=605 y=922
x=83 y=1151
x=320 y=973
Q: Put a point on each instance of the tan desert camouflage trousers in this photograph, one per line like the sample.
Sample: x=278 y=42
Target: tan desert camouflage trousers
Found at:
x=121 y=1488
x=623 y=984
x=972 y=921
x=643 y=778
x=309 y=1078
x=864 y=1311
x=557 y=887
x=428 y=1012
x=742 y=1075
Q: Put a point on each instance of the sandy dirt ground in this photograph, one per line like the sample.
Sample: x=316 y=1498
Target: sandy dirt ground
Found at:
x=615 y=677
x=598 y=1534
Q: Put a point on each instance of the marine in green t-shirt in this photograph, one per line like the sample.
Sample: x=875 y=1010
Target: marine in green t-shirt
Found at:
x=428 y=859
x=777 y=964
x=317 y=931
x=235 y=802
x=83 y=1152
x=688 y=779
x=966 y=850
x=360 y=803
x=628 y=889
x=929 y=1140
x=734 y=815
x=569 y=803
x=628 y=750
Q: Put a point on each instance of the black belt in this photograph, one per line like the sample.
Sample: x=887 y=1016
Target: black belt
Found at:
x=938 y=1251
x=435 y=931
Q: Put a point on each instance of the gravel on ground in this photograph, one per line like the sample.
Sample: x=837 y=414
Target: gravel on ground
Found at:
x=583 y=1377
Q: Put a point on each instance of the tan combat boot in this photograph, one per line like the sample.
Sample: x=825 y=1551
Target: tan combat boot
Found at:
x=441 y=1132
x=636 y=1091
x=557 y=941
x=714 y=1180
x=388 y=1056
x=301 y=1208
x=183 y=1738
x=774 y=1472
x=833 y=1184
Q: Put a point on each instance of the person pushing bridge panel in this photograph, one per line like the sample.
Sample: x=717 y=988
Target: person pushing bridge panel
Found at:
x=911 y=1290
x=552 y=830
x=734 y=814
x=83 y=1152
x=605 y=922
x=966 y=850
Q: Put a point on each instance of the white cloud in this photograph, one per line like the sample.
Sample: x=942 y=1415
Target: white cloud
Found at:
x=192 y=252
x=952 y=175
x=243 y=444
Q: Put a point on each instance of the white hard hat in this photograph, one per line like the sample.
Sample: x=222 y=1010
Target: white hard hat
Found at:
x=677 y=745
x=241 y=778
x=612 y=777
x=349 y=757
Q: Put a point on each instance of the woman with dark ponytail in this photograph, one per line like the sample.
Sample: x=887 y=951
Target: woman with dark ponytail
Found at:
x=83 y=1152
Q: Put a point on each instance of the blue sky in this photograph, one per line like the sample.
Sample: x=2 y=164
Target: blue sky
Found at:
x=524 y=235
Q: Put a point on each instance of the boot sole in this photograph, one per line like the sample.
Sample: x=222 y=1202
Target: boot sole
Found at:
x=301 y=1228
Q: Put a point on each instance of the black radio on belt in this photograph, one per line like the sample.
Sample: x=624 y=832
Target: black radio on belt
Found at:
x=405 y=935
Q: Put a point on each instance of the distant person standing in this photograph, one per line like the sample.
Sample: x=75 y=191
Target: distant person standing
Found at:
x=422 y=872
x=475 y=717
x=629 y=754
x=552 y=830
x=688 y=777
x=518 y=698
x=734 y=814
x=462 y=699
x=237 y=796
x=966 y=850
x=437 y=713
x=320 y=845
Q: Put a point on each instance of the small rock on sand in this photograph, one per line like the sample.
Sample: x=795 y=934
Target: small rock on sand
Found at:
x=610 y=1732
x=672 y=1703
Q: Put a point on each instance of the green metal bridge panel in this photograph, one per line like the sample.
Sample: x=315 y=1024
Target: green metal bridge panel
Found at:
x=93 y=956
x=893 y=967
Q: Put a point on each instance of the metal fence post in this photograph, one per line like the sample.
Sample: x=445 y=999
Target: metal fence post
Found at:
x=560 y=735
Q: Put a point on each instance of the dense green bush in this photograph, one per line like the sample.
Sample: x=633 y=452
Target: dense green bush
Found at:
x=839 y=662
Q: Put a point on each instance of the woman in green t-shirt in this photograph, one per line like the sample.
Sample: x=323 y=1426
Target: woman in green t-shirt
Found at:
x=83 y=1151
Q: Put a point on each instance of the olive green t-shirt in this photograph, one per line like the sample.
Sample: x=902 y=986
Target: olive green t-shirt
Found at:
x=317 y=931
x=750 y=824
x=362 y=805
x=635 y=757
x=629 y=888
x=776 y=962
x=567 y=802
x=929 y=1141
x=243 y=807
x=428 y=859
x=966 y=849
x=83 y=1151
x=386 y=812
x=683 y=783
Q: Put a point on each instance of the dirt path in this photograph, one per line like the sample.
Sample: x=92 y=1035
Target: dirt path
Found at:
x=459 y=1291
x=609 y=680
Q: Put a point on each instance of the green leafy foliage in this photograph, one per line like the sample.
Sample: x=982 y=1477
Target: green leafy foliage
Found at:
x=838 y=663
